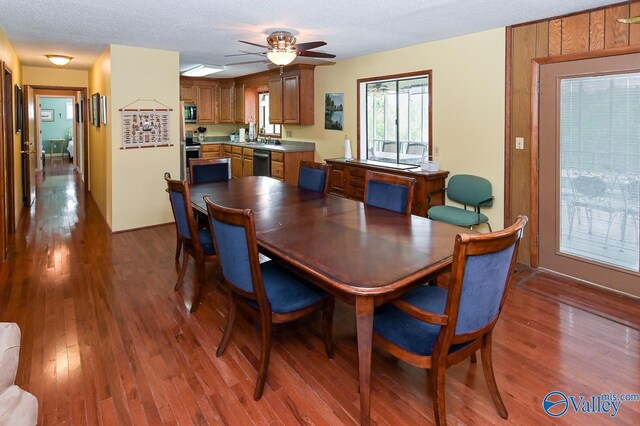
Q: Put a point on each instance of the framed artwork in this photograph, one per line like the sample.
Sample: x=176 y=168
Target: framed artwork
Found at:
x=19 y=109
x=103 y=109
x=47 y=115
x=333 y=115
x=95 y=109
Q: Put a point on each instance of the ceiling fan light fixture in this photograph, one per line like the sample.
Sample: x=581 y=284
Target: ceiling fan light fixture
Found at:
x=59 y=60
x=281 y=56
x=202 y=70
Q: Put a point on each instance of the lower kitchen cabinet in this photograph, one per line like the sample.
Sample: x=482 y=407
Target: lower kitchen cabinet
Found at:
x=347 y=180
x=236 y=161
x=247 y=162
x=211 y=150
x=286 y=165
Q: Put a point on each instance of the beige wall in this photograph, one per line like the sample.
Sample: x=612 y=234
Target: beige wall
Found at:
x=139 y=196
x=468 y=91
x=8 y=55
x=59 y=77
x=99 y=80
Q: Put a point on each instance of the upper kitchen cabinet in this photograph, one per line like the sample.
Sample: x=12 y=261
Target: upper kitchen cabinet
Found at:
x=206 y=101
x=225 y=102
x=239 y=103
x=291 y=96
x=187 y=91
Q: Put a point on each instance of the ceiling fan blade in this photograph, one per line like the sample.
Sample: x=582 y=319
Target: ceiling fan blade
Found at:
x=310 y=54
x=264 y=61
x=254 y=44
x=634 y=20
x=309 y=45
x=246 y=53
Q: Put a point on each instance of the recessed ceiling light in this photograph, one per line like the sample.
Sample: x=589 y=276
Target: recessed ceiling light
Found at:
x=203 y=70
x=59 y=59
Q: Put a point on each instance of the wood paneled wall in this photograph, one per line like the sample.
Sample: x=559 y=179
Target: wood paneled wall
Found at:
x=588 y=31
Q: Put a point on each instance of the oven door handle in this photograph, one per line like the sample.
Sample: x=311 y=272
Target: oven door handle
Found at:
x=260 y=155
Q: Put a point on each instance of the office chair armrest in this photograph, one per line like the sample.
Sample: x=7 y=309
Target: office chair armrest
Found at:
x=484 y=201
x=421 y=315
x=433 y=192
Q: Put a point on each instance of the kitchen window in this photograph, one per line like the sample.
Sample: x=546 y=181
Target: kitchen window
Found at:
x=395 y=118
x=265 y=128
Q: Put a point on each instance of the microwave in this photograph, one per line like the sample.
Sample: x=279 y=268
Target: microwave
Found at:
x=190 y=113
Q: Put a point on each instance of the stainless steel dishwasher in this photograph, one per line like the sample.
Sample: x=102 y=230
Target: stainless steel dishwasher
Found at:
x=261 y=162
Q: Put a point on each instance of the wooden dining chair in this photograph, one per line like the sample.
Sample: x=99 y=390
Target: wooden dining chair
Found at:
x=314 y=176
x=387 y=191
x=203 y=170
x=434 y=328
x=197 y=243
x=267 y=291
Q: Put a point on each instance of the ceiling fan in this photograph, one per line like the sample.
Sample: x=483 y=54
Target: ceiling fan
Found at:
x=282 y=49
x=632 y=20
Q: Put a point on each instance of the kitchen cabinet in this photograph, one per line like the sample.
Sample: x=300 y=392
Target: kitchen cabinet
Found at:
x=210 y=150
x=239 y=103
x=226 y=148
x=347 y=180
x=187 y=91
x=286 y=165
x=225 y=101
x=206 y=102
x=275 y=99
x=236 y=161
x=291 y=96
x=247 y=162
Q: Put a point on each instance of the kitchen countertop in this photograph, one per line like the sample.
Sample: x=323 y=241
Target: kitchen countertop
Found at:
x=286 y=146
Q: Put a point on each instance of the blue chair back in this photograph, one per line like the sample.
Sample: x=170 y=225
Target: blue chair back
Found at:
x=233 y=253
x=469 y=190
x=313 y=179
x=485 y=280
x=180 y=213
x=209 y=170
x=388 y=196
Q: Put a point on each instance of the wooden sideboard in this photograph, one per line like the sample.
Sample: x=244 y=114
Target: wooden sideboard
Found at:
x=347 y=180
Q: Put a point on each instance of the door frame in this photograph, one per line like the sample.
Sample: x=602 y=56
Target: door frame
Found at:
x=535 y=104
x=7 y=203
x=57 y=91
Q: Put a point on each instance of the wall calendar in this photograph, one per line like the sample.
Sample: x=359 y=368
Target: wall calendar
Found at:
x=142 y=128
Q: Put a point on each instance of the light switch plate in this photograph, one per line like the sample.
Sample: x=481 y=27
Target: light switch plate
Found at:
x=519 y=143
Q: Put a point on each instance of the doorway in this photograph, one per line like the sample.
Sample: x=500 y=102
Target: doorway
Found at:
x=589 y=170
x=7 y=198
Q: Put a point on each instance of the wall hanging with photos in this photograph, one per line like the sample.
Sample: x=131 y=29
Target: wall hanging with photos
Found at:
x=145 y=127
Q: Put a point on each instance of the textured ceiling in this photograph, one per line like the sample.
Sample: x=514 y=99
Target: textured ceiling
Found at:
x=203 y=31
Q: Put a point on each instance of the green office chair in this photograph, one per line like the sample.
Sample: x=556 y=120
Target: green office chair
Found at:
x=468 y=190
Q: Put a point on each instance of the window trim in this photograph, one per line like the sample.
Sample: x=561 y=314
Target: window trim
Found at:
x=360 y=81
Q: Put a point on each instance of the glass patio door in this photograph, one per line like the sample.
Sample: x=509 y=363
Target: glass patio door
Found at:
x=590 y=170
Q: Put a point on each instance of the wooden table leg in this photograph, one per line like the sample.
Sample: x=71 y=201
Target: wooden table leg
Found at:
x=364 y=325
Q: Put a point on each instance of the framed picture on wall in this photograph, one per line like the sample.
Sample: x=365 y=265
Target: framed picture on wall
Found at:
x=103 y=109
x=47 y=115
x=19 y=109
x=95 y=109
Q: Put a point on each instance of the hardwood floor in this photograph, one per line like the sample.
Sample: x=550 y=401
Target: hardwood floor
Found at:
x=106 y=340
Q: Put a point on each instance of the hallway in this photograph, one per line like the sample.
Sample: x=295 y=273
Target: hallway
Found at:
x=106 y=340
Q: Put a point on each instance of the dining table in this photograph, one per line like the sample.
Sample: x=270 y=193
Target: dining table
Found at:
x=362 y=254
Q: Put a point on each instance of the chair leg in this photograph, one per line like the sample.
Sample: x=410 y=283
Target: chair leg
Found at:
x=183 y=270
x=438 y=376
x=487 y=367
x=265 y=354
x=178 y=247
x=327 y=325
x=489 y=225
x=231 y=318
x=198 y=283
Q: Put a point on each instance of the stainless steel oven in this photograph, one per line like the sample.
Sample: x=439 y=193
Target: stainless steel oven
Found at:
x=261 y=162
x=191 y=150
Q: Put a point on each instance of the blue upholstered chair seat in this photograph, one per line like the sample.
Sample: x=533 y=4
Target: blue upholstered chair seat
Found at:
x=287 y=292
x=410 y=333
x=456 y=216
x=206 y=242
